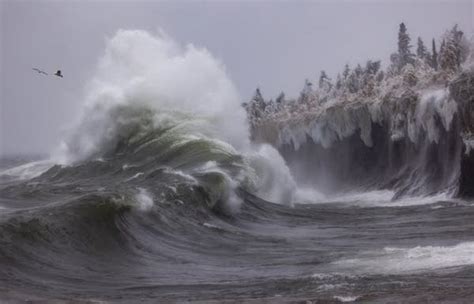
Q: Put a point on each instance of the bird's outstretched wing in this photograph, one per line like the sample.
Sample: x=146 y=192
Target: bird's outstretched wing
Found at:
x=40 y=71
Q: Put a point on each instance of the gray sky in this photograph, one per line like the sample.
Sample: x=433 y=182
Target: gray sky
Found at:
x=273 y=45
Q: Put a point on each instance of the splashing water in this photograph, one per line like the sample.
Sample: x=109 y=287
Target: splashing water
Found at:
x=148 y=84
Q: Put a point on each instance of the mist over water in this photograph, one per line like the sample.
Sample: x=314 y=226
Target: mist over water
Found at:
x=140 y=70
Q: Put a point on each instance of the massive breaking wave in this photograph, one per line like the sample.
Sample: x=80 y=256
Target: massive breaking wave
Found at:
x=160 y=149
x=155 y=105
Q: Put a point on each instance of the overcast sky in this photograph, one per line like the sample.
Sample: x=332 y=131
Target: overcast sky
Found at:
x=273 y=45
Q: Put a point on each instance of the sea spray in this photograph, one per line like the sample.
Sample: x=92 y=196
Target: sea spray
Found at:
x=140 y=69
x=152 y=99
x=273 y=178
x=144 y=200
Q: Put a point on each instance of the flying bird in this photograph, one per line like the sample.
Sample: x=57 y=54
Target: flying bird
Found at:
x=40 y=71
x=59 y=74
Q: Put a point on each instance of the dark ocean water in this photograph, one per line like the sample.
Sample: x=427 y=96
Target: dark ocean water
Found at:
x=103 y=232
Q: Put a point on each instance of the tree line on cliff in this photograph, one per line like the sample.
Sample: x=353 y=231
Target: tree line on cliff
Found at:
x=408 y=68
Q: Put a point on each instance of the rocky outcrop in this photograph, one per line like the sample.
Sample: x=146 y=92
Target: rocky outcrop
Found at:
x=411 y=140
x=462 y=90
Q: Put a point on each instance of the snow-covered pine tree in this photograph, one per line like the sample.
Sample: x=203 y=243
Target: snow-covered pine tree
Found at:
x=358 y=70
x=372 y=67
x=441 y=53
x=380 y=76
x=258 y=98
x=395 y=63
x=450 y=57
x=434 y=55
x=462 y=45
x=409 y=75
x=281 y=98
x=455 y=50
x=339 y=82
x=353 y=82
x=322 y=78
x=405 y=55
x=367 y=81
x=420 y=49
x=270 y=108
x=257 y=105
x=346 y=72
x=325 y=84
x=306 y=92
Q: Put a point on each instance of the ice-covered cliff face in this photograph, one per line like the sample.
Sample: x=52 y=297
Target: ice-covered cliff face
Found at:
x=407 y=139
x=410 y=115
x=462 y=90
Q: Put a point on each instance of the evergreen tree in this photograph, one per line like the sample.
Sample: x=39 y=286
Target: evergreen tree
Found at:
x=306 y=92
x=258 y=98
x=369 y=85
x=441 y=52
x=372 y=67
x=271 y=107
x=323 y=77
x=346 y=72
x=460 y=45
x=339 y=82
x=353 y=82
x=421 y=49
x=380 y=76
x=450 y=53
x=409 y=75
x=257 y=104
x=434 y=56
x=281 y=98
x=358 y=70
x=325 y=84
x=405 y=55
x=395 y=60
x=454 y=50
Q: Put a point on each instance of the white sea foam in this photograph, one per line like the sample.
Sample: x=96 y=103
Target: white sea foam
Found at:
x=144 y=200
x=376 y=198
x=135 y=176
x=208 y=225
x=182 y=174
x=273 y=181
x=307 y=195
x=172 y=188
x=392 y=260
x=422 y=200
x=346 y=299
x=369 y=198
x=28 y=171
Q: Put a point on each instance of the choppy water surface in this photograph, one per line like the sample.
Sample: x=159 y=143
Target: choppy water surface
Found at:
x=99 y=232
